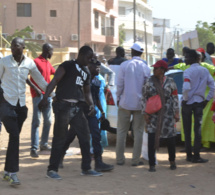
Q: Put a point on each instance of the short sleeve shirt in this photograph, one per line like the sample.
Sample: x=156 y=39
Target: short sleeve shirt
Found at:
x=71 y=85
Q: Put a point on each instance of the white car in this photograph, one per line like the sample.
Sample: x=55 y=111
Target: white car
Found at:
x=111 y=99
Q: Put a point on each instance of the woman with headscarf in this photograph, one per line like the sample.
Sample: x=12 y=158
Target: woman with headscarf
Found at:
x=161 y=123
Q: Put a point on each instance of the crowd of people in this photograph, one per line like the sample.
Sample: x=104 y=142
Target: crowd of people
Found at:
x=79 y=105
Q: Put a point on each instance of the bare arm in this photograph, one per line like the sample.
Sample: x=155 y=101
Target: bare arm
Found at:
x=89 y=99
x=37 y=90
x=98 y=104
x=57 y=77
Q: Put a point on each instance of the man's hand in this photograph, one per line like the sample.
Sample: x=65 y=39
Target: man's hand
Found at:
x=38 y=92
x=43 y=103
x=147 y=118
x=176 y=117
x=102 y=117
x=213 y=117
x=205 y=103
x=183 y=102
x=92 y=110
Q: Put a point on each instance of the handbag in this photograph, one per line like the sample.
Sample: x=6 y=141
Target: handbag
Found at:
x=153 y=104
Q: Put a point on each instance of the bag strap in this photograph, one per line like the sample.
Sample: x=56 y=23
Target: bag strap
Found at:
x=159 y=125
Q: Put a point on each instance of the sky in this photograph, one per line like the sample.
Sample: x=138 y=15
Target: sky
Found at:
x=184 y=14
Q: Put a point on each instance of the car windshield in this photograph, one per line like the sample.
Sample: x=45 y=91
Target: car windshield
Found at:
x=178 y=78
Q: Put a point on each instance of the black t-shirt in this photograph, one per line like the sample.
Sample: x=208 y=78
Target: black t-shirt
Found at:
x=116 y=61
x=71 y=85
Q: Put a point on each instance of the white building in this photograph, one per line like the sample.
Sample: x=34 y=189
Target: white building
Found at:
x=162 y=35
x=126 y=17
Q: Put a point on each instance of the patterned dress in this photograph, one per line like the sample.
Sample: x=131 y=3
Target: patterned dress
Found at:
x=171 y=106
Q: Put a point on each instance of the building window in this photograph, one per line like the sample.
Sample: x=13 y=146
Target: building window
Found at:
x=96 y=19
x=122 y=11
x=103 y=27
x=112 y=22
x=24 y=9
x=157 y=39
x=53 y=13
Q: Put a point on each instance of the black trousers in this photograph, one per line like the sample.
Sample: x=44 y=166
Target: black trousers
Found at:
x=95 y=134
x=13 y=118
x=187 y=111
x=67 y=114
x=151 y=148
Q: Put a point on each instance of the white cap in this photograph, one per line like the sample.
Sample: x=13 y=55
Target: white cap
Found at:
x=137 y=47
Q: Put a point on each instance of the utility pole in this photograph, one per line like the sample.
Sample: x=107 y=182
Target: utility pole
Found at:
x=134 y=6
x=146 y=41
x=162 y=38
x=78 y=24
x=177 y=48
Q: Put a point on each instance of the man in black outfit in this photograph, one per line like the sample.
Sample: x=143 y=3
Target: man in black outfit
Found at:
x=73 y=87
x=94 y=68
x=120 y=57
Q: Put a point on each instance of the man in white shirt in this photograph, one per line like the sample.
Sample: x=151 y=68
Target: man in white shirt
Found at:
x=14 y=70
x=132 y=76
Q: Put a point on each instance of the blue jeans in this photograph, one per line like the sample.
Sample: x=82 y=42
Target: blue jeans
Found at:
x=95 y=134
x=36 y=119
x=69 y=114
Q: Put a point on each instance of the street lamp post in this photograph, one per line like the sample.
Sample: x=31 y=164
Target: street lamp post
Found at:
x=146 y=41
x=134 y=5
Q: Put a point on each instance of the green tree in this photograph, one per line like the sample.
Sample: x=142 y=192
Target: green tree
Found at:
x=25 y=33
x=212 y=27
x=121 y=34
x=205 y=33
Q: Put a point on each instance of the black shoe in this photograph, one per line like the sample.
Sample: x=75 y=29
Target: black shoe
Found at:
x=172 y=165
x=189 y=158
x=122 y=163
x=152 y=169
x=34 y=153
x=103 y=167
x=137 y=164
x=182 y=150
x=199 y=160
x=45 y=147
x=203 y=149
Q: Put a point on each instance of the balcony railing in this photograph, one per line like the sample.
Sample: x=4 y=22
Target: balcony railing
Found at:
x=107 y=31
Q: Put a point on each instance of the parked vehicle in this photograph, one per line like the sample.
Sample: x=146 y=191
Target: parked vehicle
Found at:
x=112 y=109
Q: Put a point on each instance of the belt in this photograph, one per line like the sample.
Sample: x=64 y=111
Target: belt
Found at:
x=73 y=103
x=69 y=103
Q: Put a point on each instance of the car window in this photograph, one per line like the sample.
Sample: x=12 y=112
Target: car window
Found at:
x=178 y=78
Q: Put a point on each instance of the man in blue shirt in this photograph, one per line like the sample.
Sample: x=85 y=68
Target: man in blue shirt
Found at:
x=196 y=79
x=171 y=61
